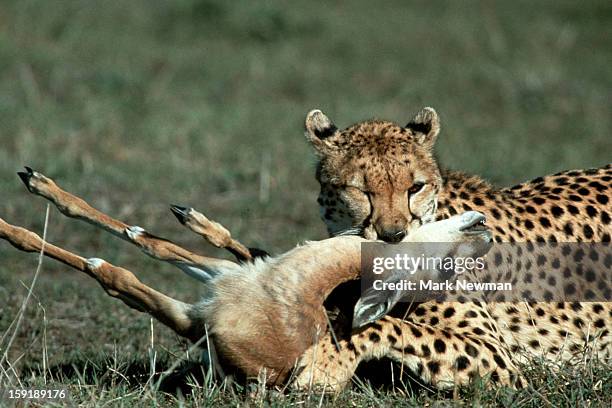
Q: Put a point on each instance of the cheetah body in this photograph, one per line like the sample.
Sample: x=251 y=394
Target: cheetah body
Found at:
x=380 y=180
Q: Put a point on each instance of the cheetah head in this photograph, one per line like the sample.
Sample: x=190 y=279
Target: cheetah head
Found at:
x=378 y=179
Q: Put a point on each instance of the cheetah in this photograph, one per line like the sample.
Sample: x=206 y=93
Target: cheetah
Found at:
x=381 y=180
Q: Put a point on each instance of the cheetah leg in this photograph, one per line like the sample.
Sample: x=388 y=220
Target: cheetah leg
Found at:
x=117 y=282
x=439 y=357
x=213 y=232
x=198 y=266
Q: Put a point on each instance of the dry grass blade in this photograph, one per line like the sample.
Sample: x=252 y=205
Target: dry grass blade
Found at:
x=26 y=300
x=179 y=361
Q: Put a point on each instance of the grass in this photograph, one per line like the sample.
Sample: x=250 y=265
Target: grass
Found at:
x=135 y=105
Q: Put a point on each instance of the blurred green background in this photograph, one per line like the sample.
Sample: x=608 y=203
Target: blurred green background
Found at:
x=134 y=105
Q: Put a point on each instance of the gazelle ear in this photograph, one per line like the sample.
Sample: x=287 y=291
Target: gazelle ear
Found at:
x=319 y=128
x=375 y=304
x=365 y=313
x=425 y=126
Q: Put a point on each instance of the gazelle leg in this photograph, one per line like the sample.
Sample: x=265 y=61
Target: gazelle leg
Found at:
x=198 y=266
x=213 y=232
x=117 y=282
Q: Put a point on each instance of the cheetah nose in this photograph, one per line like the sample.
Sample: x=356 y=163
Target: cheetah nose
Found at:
x=393 y=235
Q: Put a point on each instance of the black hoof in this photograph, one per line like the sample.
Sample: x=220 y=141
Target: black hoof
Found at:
x=26 y=175
x=258 y=253
x=180 y=213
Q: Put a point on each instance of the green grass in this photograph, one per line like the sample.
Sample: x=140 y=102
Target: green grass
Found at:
x=135 y=105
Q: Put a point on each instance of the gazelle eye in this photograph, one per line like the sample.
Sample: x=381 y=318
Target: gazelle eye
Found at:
x=415 y=188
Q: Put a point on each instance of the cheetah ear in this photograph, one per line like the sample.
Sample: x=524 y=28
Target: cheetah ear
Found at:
x=319 y=128
x=425 y=126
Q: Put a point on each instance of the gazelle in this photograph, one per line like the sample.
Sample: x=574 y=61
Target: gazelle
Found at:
x=263 y=313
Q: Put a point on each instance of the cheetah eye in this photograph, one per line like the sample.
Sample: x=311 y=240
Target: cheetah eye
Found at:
x=415 y=188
